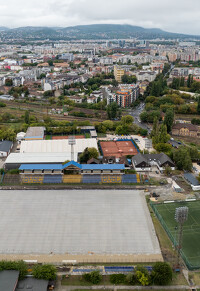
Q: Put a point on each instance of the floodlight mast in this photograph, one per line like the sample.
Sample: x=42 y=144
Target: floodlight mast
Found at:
x=72 y=142
x=181 y=216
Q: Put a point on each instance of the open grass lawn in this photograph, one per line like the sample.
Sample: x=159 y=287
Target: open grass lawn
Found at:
x=191 y=229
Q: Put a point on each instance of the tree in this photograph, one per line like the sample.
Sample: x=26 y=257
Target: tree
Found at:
x=117 y=278
x=162 y=273
x=182 y=82
x=163 y=148
x=45 y=272
x=108 y=124
x=120 y=129
x=169 y=119
x=126 y=79
x=198 y=106
x=26 y=117
x=50 y=62
x=142 y=278
x=16 y=265
x=113 y=110
x=94 y=277
x=168 y=171
x=87 y=154
x=7 y=134
x=182 y=159
x=175 y=83
x=131 y=279
x=127 y=119
x=163 y=136
x=189 y=81
x=8 y=82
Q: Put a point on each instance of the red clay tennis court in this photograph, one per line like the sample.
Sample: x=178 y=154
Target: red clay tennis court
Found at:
x=118 y=148
x=66 y=137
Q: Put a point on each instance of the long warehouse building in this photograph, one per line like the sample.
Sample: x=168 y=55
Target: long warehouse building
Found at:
x=47 y=152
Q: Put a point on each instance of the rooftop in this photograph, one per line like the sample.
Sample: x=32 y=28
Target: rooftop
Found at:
x=35 y=132
x=5 y=145
x=8 y=280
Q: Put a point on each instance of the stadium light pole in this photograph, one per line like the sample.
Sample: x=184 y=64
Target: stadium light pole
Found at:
x=72 y=142
x=181 y=216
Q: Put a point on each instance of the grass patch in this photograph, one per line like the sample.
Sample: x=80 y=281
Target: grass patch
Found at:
x=87 y=135
x=191 y=229
x=78 y=280
x=48 y=137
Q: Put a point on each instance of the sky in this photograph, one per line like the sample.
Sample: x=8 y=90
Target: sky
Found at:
x=170 y=15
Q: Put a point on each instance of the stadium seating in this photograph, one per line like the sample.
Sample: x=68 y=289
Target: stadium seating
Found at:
x=111 y=179
x=32 y=179
x=84 y=270
x=72 y=179
x=120 y=269
x=129 y=178
x=138 y=178
x=91 y=179
x=52 y=179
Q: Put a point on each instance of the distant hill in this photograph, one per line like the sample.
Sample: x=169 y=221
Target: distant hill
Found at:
x=3 y=28
x=94 y=31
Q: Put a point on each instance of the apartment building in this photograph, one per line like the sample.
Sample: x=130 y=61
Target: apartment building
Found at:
x=118 y=73
x=125 y=95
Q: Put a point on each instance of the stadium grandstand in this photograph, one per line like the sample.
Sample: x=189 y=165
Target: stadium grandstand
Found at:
x=73 y=172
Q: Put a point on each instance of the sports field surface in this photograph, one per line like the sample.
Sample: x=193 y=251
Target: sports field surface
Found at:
x=191 y=229
x=118 y=148
x=76 y=222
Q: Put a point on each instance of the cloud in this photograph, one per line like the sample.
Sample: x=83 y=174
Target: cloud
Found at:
x=171 y=15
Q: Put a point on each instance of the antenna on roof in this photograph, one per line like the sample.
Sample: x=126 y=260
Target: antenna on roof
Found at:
x=72 y=142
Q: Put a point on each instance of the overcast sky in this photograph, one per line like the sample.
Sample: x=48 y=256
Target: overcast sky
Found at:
x=171 y=15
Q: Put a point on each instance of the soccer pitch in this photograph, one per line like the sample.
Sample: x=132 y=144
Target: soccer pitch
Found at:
x=191 y=229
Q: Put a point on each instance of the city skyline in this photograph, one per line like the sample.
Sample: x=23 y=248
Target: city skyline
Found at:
x=172 y=16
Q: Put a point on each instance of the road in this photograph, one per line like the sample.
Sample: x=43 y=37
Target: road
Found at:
x=136 y=114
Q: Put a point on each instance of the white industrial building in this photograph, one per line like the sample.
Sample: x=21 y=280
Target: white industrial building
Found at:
x=57 y=146
x=48 y=152
x=14 y=160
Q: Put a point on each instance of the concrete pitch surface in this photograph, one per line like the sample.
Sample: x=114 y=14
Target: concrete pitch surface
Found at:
x=76 y=222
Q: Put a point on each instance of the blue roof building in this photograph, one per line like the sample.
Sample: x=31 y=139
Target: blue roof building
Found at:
x=82 y=168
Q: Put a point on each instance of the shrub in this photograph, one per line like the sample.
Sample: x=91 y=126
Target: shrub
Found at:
x=93 y=277
x=161 y=274
x=13 y=171
x=45 y=272
x=131 y=279
x=118 y=278
x=2 y=171
x=2 y=104
x=142 y=278
x=18 y=265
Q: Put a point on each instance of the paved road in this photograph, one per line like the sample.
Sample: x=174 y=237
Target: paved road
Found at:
x=136 y=114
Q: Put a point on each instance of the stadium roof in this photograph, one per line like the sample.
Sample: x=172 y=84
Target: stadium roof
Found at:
x=40 y=167
x=72 y=163
x=103 y=167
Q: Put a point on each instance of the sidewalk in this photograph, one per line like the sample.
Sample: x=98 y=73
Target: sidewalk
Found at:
x=112 y=287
